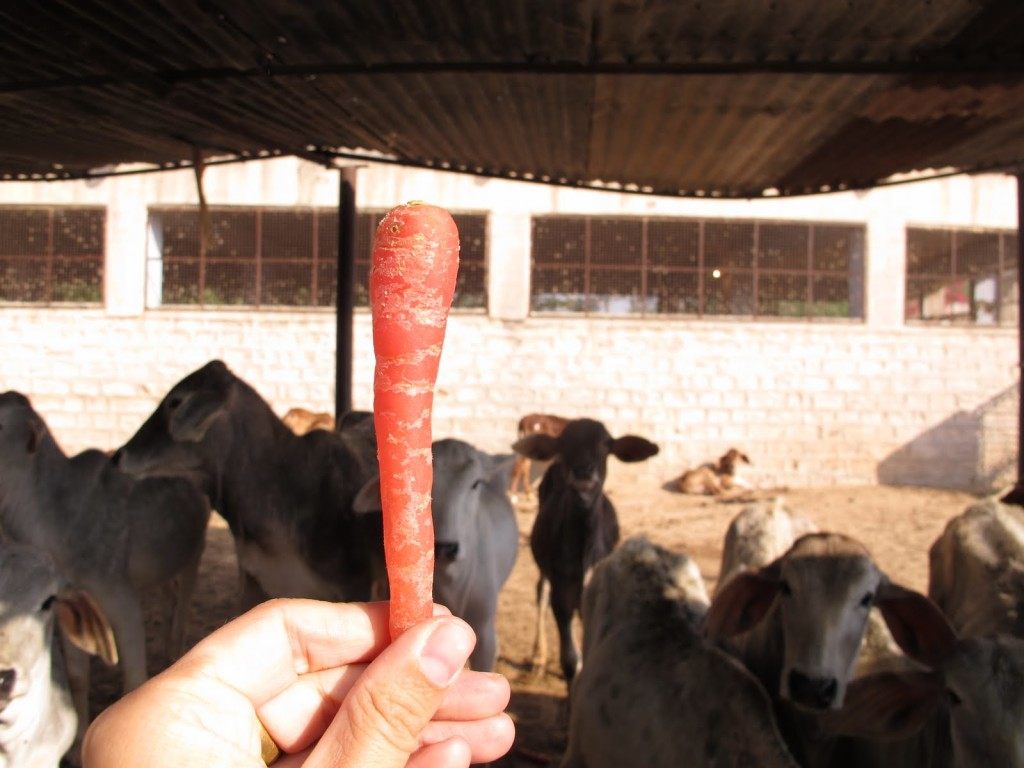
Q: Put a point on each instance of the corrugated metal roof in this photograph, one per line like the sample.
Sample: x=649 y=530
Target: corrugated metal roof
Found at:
x=730 y=97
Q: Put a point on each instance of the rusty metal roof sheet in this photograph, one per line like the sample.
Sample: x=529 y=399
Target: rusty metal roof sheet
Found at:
x=723 y=97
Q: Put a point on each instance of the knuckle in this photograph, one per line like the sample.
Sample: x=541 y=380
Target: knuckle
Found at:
x=391 y=715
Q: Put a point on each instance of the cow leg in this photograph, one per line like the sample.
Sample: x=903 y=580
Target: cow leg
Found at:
x=251 y=593
x=564 y=601
x=184 y=586
x=123 y=611
x=540 y=643
x=76 y=664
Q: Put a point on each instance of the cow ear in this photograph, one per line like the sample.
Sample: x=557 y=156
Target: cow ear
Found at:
x=886 y=705
x=917 y=625
x=192 y=416
x=537 y=447
x=632 y=448
x=36 y=432
x=367 y=501
x=84 y=624
x=497 y=469
x=742 y=603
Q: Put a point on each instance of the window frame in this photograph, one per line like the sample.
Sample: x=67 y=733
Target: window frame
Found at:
x=1006 y=262
x=366 y=219
x=50 y=258
x=702 y=269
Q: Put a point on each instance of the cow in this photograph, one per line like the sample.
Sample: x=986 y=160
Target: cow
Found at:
x=476 y=537
x=38 y=718
x=798 y=625
x=963 y=709
x=302 y=420
x=286 y=498
x=652 y=691
x=532 y=423
x=976 y=570
x=715 y=479
x=763 y=532
x=576 y=523
x=759 y=534
x=107 y=532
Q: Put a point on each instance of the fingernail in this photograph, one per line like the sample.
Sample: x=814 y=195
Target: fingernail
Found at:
x=445 y=652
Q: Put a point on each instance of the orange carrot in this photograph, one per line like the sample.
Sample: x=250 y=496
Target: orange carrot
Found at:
x=412 y=279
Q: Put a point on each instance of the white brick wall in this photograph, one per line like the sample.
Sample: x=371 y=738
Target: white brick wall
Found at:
x=811 y=403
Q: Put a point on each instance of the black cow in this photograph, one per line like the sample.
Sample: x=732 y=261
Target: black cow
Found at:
x=576 y=523
x=287 y=498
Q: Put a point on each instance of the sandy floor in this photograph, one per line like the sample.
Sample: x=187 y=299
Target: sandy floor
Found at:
x=897 y=524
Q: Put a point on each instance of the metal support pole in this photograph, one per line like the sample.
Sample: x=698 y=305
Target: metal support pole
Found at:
x=1016 y=496
x=346 y=292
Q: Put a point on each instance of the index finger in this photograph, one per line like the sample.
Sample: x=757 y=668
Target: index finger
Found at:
x=265 y=650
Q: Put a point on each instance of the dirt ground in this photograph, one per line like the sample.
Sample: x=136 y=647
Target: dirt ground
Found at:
x=897 y=524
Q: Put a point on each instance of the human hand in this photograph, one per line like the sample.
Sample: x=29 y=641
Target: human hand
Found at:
x=328 y=688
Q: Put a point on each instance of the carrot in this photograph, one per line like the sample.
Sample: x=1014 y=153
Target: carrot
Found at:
x=412 y=280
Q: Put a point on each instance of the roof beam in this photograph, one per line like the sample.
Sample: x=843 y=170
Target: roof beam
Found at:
x=168 y=79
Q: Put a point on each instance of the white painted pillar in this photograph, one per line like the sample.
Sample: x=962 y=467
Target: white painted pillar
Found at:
x=886 y=271
x=125 y=269
x=154 y=262
x=508 y=266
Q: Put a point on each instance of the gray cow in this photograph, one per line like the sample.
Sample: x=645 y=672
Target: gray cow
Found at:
x=287 y=498
x=652 y=692
x=964 y=709
x=38 y=722
x=475 y=533
x=798 y=625
x=107 y=532
x=976 y=570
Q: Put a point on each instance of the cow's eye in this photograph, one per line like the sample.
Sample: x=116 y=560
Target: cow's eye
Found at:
x=477 y=483
x=867 y=600
x=953 y=698
x=785 y=589
x=173 y=402
x=48 y=603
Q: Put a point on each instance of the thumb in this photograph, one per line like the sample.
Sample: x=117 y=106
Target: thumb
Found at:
x=380 y=721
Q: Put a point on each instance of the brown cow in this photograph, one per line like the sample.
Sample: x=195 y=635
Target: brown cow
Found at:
x=301 y=420
x=715 y=479
x=533 y=424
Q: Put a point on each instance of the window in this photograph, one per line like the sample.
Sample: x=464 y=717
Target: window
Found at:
x=659 y=266
x=961 y=276
x=51 y=255
x=277 y=257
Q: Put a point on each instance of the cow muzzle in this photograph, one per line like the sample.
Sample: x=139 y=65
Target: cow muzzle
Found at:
x=814 y=692
x=8 y=678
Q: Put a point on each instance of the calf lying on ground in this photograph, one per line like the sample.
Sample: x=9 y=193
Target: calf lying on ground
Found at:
x=576 y=523
x=287 y=498
x=532 y=424
x=38 y=720
x=476 y=537
x=652 y=692
x=301 y=420
x=964 y=710
x=715 y=479
x=976 y=570
x=107 y=532
x=798 y=624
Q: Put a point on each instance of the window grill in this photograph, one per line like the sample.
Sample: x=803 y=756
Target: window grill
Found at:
x=660 y=266
x=52 y=255
x=961 y=276
x=280 y=257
